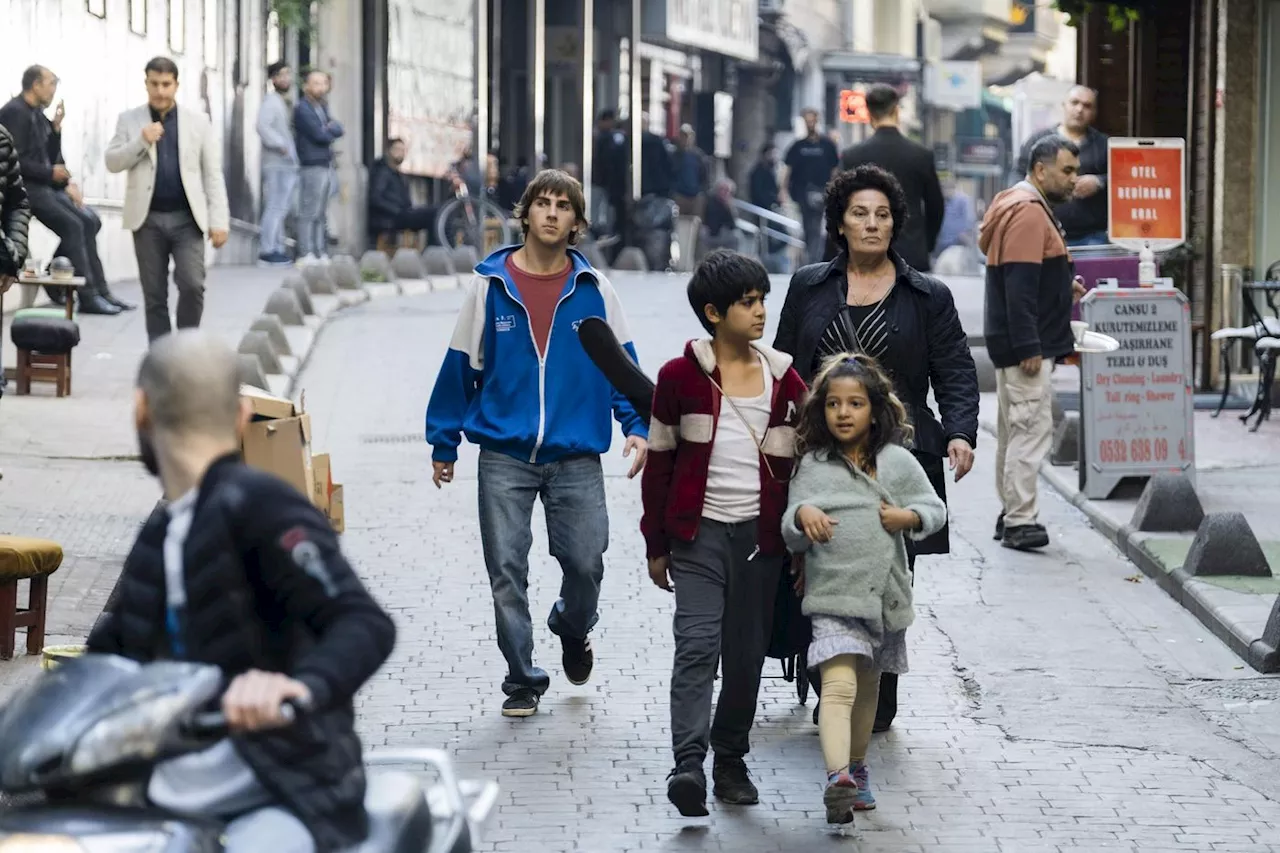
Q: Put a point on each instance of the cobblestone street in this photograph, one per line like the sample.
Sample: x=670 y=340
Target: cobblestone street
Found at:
x=1056 y=701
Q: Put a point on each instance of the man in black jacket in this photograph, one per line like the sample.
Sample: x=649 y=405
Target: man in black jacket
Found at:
x=912 y=164
x=55 y=201
x=239 y=570
x=15 y=213
x=390 y=208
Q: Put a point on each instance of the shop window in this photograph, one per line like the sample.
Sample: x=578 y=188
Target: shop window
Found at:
x=177 y=26
x=97 y=8
x=138 y=16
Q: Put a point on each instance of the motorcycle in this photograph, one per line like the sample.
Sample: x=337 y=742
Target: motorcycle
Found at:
x=80 y=743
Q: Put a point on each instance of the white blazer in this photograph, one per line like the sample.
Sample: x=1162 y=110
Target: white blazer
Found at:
x=199 y=161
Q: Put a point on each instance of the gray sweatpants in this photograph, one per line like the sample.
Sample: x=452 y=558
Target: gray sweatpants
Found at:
x=724 y=613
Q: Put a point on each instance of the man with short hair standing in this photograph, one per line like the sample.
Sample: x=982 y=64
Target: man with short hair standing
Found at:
x=1029 y=294
x=55 y=201
x=809 y=163
x=913 y=165
x=279 y=165
x=518 y=383
x=175 y=196
x=1084 y=213
x=316 y=131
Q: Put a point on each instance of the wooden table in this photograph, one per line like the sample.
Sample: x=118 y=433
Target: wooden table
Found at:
x=68 y=284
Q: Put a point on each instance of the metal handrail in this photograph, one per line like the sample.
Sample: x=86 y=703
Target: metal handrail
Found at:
x=766 y=214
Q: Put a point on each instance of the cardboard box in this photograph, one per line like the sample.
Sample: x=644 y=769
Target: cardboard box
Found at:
x=323 y=481
x=282 y=446
x=265 y=406
x=337 y=512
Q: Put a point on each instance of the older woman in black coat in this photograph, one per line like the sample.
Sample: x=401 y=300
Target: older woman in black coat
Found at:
x=867 y=299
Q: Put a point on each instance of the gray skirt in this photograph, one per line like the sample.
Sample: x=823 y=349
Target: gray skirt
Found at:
x=838 y=635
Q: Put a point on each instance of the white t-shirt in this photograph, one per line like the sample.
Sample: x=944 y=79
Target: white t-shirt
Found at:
x=733 y=475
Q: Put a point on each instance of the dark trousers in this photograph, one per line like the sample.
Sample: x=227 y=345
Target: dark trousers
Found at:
x=724 y=613
x=163 y=236
x=77 y=230
x=811 y=221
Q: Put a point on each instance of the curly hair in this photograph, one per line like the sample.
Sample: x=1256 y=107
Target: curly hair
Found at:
x=843 y=187
x=889 y=421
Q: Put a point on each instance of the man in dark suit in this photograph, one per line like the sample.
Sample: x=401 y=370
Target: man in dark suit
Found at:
x=912 y=164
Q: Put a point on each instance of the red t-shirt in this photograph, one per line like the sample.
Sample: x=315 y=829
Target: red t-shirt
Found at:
x=540 y=294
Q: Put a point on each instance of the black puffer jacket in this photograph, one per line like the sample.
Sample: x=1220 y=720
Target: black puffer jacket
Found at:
x=15 y=210
x=268 y=589
x=927 y=345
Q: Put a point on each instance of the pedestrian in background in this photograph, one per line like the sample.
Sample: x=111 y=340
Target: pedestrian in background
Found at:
x=540 y=414
x=1029 y=293
x=175 y=196
x=1083 y=214
x=857 y=493
x=691 y=174
x=279 y=165
x=913 y=166
x=810 y=162
x=316 y=131
x=713 y=493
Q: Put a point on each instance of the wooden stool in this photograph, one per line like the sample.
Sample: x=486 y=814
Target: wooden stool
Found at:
x=44 y=346
x=25 y=559
x=389 y=241
x=42 y=367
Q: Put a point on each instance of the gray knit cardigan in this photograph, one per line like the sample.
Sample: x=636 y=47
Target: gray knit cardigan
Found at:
x=862 y=572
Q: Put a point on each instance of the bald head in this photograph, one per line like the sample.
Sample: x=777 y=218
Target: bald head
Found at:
x=1079 y=109
x=189 y=382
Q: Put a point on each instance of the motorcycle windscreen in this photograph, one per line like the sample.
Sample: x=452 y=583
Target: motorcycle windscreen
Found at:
x=43 y=729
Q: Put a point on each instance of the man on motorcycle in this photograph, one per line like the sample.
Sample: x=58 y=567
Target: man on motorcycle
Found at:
x=239 y=570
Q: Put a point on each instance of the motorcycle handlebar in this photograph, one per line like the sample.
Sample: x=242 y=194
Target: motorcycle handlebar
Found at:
x=213 y=724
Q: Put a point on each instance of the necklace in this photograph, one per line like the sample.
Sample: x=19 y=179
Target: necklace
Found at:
x=856 y=328
x=878 y=281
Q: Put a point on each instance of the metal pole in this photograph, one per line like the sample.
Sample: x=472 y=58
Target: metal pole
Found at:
x=637 y=126
x=482 y=87
x=538 y=76
x=495 y=85
x=588 y=96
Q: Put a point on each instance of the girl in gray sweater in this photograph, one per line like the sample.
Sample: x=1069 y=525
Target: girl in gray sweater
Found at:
x=856 y=493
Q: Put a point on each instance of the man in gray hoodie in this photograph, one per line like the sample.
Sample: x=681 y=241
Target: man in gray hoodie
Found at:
x=279 y=165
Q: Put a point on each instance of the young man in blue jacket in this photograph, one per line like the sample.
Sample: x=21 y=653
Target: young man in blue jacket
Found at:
x=517 y=382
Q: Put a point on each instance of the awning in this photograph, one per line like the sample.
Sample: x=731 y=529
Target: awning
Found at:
x=888 y=68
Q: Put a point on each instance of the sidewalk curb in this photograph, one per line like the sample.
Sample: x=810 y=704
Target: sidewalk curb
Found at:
x=1258 y=654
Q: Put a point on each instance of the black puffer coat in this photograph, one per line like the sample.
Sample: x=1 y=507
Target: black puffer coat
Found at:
x=15 y=210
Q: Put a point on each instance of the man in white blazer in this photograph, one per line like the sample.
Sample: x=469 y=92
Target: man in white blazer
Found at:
x=175 y=196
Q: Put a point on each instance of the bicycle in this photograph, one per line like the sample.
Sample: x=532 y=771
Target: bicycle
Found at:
x=475 y=222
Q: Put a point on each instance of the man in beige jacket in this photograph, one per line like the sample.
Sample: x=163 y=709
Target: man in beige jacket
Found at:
x=175 y=196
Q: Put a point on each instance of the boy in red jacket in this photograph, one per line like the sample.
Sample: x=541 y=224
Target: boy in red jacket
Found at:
x=721 y=449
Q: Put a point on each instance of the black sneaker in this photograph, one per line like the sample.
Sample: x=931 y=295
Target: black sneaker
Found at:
x=687 y=789
x=578 y=659
x=999 y=528
x=522 y=703
x=732 y=783
x=1025 y=537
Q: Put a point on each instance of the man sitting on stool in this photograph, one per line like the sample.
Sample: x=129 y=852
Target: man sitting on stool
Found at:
x=55 y=201
x=390 y=208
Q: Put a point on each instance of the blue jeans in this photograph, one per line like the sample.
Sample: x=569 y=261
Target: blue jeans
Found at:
x=572 y=494
x=278 y=183
x=1095 y=238
x=313 y=207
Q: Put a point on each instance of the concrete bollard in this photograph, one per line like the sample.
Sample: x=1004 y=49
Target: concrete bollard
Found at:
x=283 y=303
x=271 y=324
x=465 y=259
x=319 y=279
x=632 y=260
x=376 y=266
x=302 y=290
x=345 y=271
x=1225 y=545
x=258 y=344
x=251 y=372
x=1271 y=633
x=1169 y=504
x=407 y=263
x=1066 y=440
x=438 y=260
x=986 y=370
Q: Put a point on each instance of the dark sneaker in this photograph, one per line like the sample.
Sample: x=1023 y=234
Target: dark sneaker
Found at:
x=578 y=659
x=687 y=790
x=999 y=528
x=1025 y=537
x=732 y=783
x=522 y=703
x=840 y=797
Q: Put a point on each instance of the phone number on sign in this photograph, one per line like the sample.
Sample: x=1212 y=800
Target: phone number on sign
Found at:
x=1138 y=450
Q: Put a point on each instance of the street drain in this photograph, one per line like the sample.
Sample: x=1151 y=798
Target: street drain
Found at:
x=1242 y=690
x=393 y=438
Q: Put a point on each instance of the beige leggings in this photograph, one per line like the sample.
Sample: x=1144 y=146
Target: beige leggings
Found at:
x=847 y=710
